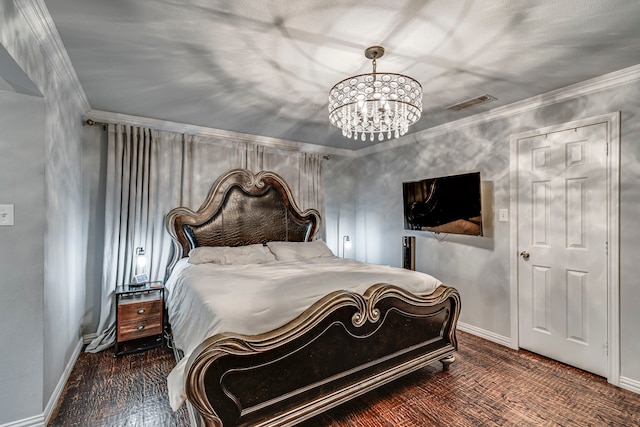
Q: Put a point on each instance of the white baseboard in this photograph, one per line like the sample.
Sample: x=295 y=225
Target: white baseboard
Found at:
x=86 y=339
x=629 y=384
x=487 y=335
x=55 y=396
x=35 y=421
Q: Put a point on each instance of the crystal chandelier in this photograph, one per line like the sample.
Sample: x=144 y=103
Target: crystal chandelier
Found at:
x=375 y=103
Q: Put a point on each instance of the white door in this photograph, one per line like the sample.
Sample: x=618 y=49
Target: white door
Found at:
x=562 y=241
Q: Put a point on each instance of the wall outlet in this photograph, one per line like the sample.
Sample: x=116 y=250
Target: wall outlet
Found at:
x=6 y=215
x=503 y=215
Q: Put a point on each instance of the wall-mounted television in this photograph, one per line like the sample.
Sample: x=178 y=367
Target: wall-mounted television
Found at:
x=447 y=204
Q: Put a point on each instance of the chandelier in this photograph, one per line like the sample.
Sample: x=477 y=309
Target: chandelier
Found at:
x=375 y=103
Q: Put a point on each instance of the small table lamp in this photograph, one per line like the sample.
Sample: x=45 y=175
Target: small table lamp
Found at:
x=346 y=244
x=140 y=277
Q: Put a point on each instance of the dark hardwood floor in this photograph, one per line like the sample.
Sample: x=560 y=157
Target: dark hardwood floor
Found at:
x=489 y=385
x=129 y=390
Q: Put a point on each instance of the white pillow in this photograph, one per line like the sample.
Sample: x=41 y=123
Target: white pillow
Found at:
x=226 y=255
x=288 y=251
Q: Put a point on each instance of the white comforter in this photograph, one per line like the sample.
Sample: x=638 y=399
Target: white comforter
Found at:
x=207 y=299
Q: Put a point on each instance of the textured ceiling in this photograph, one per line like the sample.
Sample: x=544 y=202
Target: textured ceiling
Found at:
x=265 y=67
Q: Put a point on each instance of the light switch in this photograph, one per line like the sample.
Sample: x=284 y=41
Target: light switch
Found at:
x=503 y=215
x=6 y=215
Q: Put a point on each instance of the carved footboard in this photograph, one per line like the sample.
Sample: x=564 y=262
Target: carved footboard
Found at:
x=339 y=348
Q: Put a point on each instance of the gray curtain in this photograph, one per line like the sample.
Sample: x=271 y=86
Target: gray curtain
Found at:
x=150 y=172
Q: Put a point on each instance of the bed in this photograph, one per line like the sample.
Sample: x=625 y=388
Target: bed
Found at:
x=344 y=327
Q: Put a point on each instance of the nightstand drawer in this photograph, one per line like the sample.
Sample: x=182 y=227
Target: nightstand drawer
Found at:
x=139 y=328
x=129 y=311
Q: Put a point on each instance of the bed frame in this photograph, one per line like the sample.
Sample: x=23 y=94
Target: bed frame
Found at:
x=342 y=346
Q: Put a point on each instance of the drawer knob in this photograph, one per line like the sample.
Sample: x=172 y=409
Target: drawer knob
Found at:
x=140 y=327
x=140 y=311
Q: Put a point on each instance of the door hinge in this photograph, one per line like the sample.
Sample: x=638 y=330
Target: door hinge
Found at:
x=606 y=149
x=605 y=347
x=606 y=248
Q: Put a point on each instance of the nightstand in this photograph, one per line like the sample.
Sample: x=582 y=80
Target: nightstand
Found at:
x=139 y=317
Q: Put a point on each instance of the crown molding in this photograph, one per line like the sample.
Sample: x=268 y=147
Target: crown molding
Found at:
x=606 y=81
x=107 y=117
x=37 y=16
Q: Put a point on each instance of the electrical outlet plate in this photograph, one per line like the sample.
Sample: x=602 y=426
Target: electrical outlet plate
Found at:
x=6 y=215
x=503 y=215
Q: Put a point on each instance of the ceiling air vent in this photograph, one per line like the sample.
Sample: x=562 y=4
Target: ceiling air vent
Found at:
x=471 y=102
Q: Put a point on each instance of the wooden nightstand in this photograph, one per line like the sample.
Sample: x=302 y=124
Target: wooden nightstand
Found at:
x=139 y=317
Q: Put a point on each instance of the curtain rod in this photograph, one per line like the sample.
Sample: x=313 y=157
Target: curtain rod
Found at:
x=91 y=122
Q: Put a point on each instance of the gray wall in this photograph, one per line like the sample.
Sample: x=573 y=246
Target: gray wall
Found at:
x=22 y=261
x=65 y=250
x=479 y=266
x=54 y=193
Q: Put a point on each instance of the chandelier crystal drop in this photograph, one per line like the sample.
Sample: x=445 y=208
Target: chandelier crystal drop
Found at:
x=376 y=105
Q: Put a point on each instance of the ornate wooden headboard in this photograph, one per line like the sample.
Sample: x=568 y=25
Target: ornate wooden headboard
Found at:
x=241 y=209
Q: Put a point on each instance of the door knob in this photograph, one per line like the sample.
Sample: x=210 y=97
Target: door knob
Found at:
x=524 y=255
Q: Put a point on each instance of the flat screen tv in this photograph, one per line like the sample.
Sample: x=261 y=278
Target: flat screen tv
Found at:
x=448 y=204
